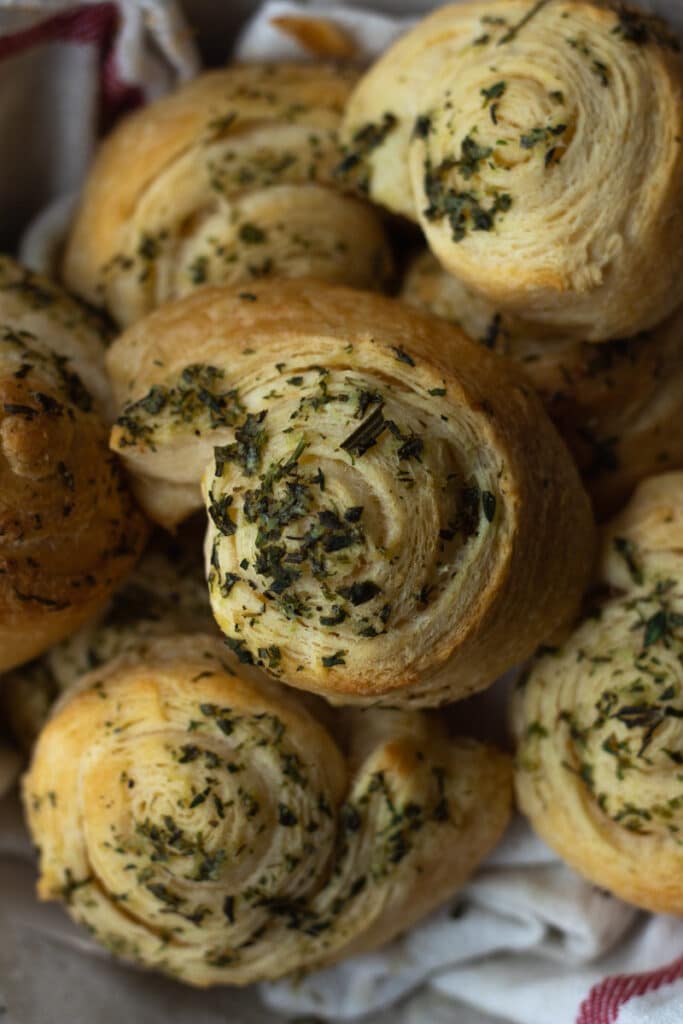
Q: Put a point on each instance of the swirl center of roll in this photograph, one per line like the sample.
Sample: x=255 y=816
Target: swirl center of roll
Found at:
x=227 y=806
x=475 y=150
x=342 y=505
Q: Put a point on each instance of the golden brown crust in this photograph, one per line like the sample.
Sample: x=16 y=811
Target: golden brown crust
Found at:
x=69 y=530
x=246 y=836
x=538 y=146
x=598 y=721
x=618 y=405
x=229 y=179
x=442 y=551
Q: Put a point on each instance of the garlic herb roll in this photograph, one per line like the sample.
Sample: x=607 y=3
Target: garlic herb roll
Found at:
x=229 y=179
x=391 y=513
x=618 y=405
x=206 y=823
x=599 y=721
x=538 y=145
x=69 y=530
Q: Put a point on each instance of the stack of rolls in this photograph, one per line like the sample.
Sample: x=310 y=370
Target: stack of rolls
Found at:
x=519 y=136
x=248 y=825
x=230 y=179
x=240 y=762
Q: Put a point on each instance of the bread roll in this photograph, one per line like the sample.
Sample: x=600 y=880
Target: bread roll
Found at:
x=538 y=145
x=229 y=179
x=390 y=510
x=69 y=529
x=200 y=820
x=618 y=405
x=599 y=721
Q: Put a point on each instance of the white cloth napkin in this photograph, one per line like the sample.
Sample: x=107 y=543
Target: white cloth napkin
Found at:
x=523 y=901
x=371 y=33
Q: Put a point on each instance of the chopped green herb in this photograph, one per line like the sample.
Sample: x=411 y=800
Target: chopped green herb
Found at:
x=329 y=661
x=627 y=549
x=252 y=234
x=365 y=436
x=286 y=817
x=238 y=647
x=246 y=450
x=514 y=31
x=361 y=592
x=422 y=126
x=488 y=502
x=463 y=210
x=403 y=357
x=494 y=92
x=219 y=510
x=366 y=139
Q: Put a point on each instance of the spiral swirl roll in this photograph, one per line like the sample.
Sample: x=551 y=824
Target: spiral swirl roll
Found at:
x=202 y=821
x=538 y=145
x=69 y=530
x=600 y=720
x=229 y=179
x=390 y=511
x=617 y=405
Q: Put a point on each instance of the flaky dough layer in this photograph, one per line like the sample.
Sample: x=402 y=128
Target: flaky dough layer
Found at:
x=538 y=145
x=599 y=720
x=184 y=798
x=229 y=179
x=391 y=513
x=617 y=404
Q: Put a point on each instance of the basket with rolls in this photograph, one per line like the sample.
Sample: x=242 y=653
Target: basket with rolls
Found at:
x=359 y=389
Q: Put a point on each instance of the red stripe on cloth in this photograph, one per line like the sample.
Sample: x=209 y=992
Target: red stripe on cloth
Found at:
x=601 y=1006
x=94 y=25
